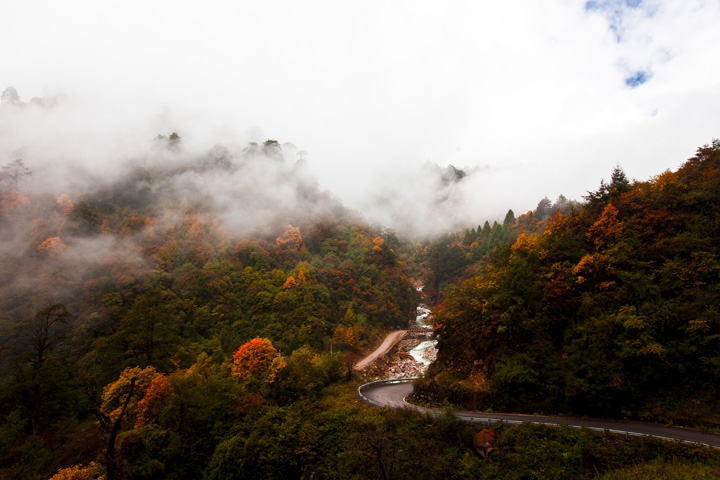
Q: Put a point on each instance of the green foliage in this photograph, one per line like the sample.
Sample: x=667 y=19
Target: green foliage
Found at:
x=664 y=471
x=599 y=311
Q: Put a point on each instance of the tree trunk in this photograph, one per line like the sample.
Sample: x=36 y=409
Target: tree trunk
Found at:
x=111 y=469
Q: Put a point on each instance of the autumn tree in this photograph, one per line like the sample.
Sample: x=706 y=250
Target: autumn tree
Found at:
x=155 y=396
x=112 y=422
x=256 y=359
x=53 y=246
x=115 y=394
x=290 y=239
x=65 y=204
x=290 y=283
x=13 y=200
x=93 y=471
x=607 y=229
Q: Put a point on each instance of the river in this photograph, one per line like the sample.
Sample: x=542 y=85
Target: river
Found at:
x=425 y=352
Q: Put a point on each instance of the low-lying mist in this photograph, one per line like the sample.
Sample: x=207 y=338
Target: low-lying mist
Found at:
x=246 y=183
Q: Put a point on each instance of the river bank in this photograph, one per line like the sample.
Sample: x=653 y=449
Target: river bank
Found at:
x=411 y=356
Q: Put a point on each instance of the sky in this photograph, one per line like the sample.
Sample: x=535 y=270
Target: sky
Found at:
x=530 y=98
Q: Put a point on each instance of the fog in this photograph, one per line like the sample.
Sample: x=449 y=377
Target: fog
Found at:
x=529 y=99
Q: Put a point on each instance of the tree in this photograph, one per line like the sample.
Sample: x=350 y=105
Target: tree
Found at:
x=618 y=181
x=253 y=359
x=291 y=239
x=509 y=218
x=272 y=150
x=110 y=458
x=155 y=396
x=150 y=327
x=54 y=246
x=468 y=237
x=44 y=332
x=116 y=401
x=92 y=471
x=39 y=382
x=562 y=204
x=252 y=150
x=10 y=95
x=544 y=208
x=174 y=141
x=11 y=174
x=65 y=204
x=619 y=184
x=290 y=283
x=607 y=229
x=452 y=175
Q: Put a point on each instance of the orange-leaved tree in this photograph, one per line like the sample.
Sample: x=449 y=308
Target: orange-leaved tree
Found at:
x=290 y=239
x=65 y=204
x=155 y=396
x=53 y=246
x=257 y=359
x=607 y=229
x=12 y=200
x=290 y=283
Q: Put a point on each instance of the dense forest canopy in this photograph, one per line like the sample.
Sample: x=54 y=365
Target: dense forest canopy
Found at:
x=609 y=309
x=199 y=316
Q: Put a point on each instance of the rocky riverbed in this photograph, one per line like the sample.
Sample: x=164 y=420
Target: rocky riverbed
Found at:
x=411 y=356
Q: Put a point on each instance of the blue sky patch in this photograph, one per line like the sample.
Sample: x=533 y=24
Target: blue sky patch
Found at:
x=612 y=5
x=637 y=79
x=614 y=10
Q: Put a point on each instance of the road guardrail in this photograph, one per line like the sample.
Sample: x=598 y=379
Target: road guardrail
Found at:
x=537 y=421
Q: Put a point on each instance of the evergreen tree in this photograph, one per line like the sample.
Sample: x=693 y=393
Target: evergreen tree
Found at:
x=509 y=218
x=544 y=208
x=618 y=181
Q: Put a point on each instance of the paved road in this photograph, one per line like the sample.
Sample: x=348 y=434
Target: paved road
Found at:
x=390 y=340
x=393 y=395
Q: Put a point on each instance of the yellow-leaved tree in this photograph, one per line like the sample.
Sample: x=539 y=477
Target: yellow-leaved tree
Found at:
x=114 y=394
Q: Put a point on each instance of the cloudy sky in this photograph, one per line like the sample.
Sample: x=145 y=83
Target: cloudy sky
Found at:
x=535 y=97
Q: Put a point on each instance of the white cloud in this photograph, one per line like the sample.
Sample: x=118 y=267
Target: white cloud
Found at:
x=534 y=90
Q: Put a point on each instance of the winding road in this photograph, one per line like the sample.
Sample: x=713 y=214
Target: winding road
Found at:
x=390 y=340
x=392 y=393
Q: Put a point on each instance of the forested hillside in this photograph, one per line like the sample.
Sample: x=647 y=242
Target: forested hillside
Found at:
x=161 y=276
x=609 y=310
x=198 y=317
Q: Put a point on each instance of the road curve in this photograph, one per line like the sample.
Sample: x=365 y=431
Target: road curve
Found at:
x=387 y=344
x=393 y=395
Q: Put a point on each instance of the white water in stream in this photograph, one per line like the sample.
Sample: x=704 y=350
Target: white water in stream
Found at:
x=423 y=316
x=425 y=352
